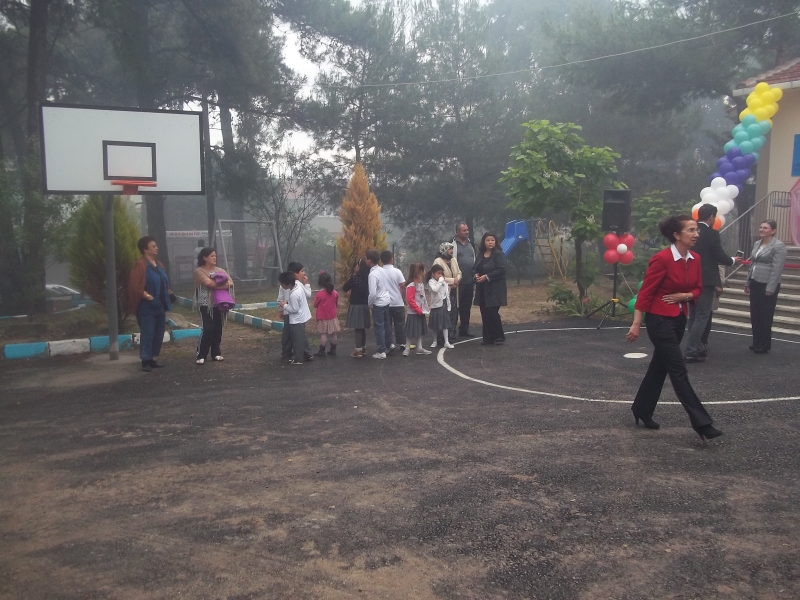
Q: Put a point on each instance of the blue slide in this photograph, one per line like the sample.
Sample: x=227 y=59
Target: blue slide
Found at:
x=516 y=231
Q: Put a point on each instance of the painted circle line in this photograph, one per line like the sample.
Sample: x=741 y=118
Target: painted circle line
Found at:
x=635 y=355
x=440 y=358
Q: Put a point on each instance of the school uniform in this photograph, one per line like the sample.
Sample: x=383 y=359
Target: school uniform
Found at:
x=395 y=284
x=286 y=336
x=299 y=314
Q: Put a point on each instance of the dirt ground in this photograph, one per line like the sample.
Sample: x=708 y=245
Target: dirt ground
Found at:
x=400 y=478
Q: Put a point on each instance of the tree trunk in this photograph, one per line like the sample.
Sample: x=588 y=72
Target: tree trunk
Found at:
x=579 y=269
x=237 y=206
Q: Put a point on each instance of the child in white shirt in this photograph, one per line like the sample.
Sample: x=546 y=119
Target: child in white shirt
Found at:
x=439 y=321
x=296 y=307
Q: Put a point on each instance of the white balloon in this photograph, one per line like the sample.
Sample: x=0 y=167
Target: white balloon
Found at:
x=718 y=182
x=705 y=192
x=622 y=248
x=722 y=193
x=724 y=207
x=733 y=191
x=696 y=206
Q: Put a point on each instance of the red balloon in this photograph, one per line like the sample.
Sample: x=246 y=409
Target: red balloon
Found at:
x=611 y=256
x=627 y=239
x=626 y=258
x=611 y=241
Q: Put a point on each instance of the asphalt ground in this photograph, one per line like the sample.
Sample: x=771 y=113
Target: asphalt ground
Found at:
x=510 y=471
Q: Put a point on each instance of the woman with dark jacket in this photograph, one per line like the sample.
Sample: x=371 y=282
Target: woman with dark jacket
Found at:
x=149 y=298
x=763 y=284
x=672 y=280
x=490 y=288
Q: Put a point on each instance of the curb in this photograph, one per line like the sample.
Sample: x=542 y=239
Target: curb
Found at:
x=98 y=343
x=238 y=317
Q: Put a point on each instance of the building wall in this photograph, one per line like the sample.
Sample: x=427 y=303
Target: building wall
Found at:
x=777 y=160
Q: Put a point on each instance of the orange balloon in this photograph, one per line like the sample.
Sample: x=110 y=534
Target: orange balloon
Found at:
x=718 y=223
x=695 y=213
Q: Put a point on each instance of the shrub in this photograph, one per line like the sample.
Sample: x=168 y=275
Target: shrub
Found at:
x=87 y=252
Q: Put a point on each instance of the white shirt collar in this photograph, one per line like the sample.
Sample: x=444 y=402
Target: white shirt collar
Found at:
x=677 y=255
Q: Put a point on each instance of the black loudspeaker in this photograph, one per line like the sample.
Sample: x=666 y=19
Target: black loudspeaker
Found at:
x=617 y=211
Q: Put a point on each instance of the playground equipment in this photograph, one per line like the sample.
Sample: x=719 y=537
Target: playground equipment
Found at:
x=257 y=245
x=547 y=240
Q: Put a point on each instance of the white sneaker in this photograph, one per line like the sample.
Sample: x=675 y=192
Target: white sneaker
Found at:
x=423 y=351
x=406 y=352
x=218 y=358
x=449 y=346
x=433 y=345
x=200 y=361
x=380 y=355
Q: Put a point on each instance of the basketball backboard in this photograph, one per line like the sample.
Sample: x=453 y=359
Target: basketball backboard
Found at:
x=85 y=148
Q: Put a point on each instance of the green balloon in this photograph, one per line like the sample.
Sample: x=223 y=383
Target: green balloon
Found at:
x=641 y=283
x=632 y=304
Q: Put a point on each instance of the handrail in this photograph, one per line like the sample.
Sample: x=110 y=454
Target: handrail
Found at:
x=745 y=212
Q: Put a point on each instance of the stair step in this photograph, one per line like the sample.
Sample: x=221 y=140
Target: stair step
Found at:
x=744 y=307
x=783 y=299
x=743 y=325
x=790 y=322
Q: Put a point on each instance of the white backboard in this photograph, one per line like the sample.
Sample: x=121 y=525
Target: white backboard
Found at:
x=85 y=148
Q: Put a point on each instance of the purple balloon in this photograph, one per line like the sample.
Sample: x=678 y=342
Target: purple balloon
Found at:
x=732 y=178
x=740 y=162
x=714 y=176
x=722 y=161
x=734 y=152
x=726 y=168
x=741 y=187
x=743 y=174
x=751 y=159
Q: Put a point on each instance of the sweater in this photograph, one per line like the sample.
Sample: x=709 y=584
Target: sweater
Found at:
x=326 y=305
x=670 y=273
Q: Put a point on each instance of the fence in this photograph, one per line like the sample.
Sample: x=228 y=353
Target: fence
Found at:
x=740 y=233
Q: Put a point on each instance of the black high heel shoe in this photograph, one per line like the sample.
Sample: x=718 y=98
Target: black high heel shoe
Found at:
x=647 y=422
x=708 y=432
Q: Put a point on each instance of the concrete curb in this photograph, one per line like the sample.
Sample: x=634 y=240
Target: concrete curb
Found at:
x=238 y=317
x=98 y=343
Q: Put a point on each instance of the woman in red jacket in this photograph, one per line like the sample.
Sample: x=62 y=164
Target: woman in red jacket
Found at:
x=673 y=279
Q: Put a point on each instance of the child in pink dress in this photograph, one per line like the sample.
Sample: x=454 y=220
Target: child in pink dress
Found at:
x=327 y=304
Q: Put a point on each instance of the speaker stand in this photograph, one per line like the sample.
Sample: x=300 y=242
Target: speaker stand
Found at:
x=609 y=307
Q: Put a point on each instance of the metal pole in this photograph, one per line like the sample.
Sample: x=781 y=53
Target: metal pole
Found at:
x=111 y=277
x=614 y=293
x=334 y=263
x=531 y=244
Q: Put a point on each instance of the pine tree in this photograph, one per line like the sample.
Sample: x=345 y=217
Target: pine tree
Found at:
x=361 y=224
x=87 y=254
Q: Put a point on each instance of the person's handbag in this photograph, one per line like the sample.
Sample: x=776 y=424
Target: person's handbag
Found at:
x=222 y=297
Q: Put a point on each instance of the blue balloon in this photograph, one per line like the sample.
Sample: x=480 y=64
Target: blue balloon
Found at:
x=756 y=156
x=765 y=127
x=740 y=137
x=733 y=152
x=746 y=147
x=743 y=175
x=728 y=145
x=737 y=129
x=750 y=159
x=722 y=161
x=740 y=162
x=741 y=187
x=732 y=178
x=749 y=120
x=726 y=168
x=758 y=142
x=754 y=130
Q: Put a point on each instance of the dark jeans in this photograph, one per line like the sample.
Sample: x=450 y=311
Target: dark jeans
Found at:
x=492 y=324
x=152 y=320
x=699 y=316
x=466 y=293
x=397 y=316
x=380 y=314
x=286 y=339
x=762 y=312
x=666 y=334
x=211 y=337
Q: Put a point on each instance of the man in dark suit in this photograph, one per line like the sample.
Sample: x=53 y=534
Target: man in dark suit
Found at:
x=709 y=247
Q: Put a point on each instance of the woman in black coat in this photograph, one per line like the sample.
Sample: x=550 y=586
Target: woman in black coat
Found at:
x=490 y=288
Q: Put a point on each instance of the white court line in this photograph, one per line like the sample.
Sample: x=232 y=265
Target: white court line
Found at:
x=454 y=371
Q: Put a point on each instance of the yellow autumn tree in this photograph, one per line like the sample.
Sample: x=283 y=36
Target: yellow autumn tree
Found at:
x=362 y=229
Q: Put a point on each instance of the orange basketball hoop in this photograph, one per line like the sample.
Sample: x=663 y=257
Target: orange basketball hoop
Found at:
x=130 y=187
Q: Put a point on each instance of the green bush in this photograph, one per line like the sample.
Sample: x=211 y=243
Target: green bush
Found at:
x=87 y=252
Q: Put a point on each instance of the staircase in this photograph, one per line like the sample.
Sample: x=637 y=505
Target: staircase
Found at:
x=734 y=304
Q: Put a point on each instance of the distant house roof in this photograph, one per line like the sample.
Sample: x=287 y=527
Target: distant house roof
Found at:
x=785 y=76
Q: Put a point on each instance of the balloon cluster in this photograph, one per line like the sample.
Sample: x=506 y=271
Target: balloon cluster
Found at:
x=741 y=153
x=618 y=248
x=632 y=301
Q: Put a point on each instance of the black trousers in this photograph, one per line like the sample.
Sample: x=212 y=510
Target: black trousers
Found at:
x=286 y=339
x=492 y=324
x=666 y=334
x=762 y=312
x=211 y=337
x=397 y=316
x=466 y=293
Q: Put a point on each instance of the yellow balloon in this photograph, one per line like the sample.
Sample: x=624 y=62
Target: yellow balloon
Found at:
x=770 y=122
x=778 y=93
x=744 y=113
x=777 y=108
x=767 y=97
x=761 y=87
x=771 y=110
x=761 y=114
x=755 y=103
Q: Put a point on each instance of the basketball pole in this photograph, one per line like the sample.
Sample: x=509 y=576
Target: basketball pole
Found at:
x=111 y=277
